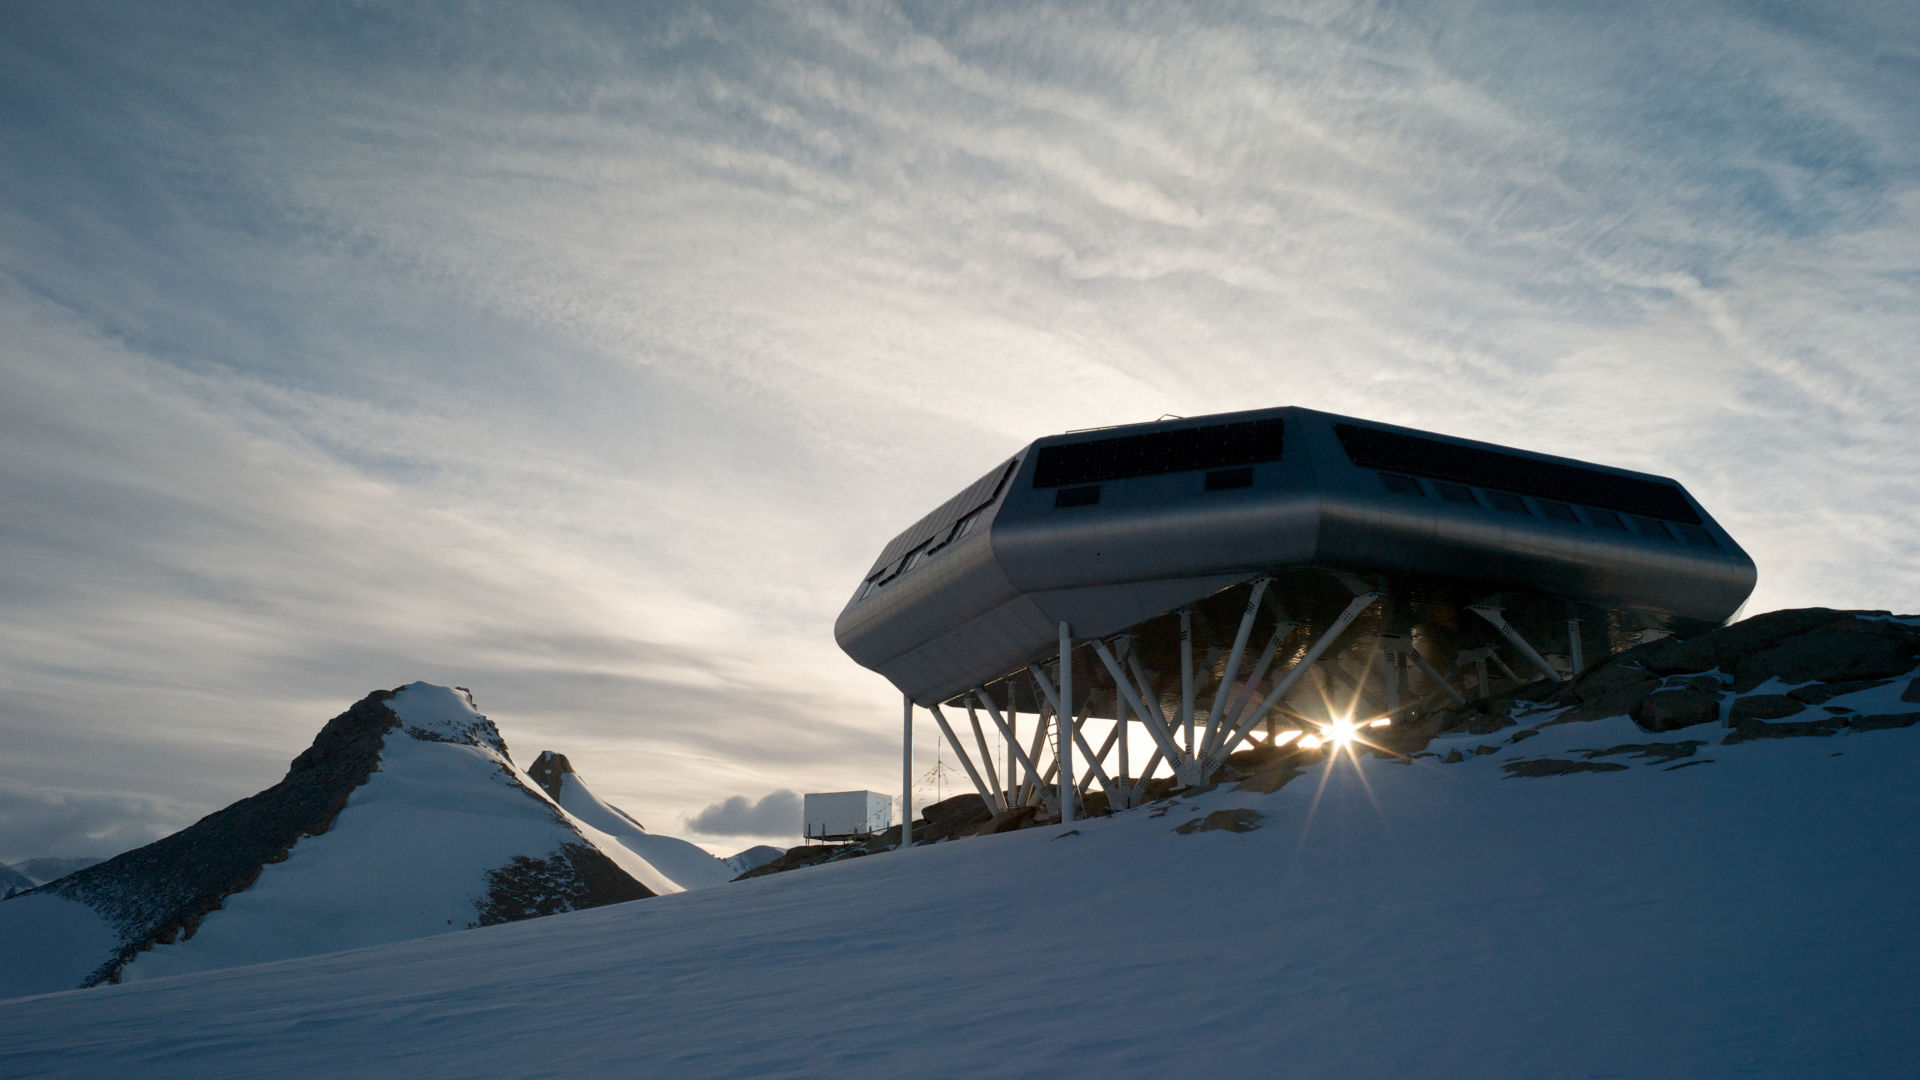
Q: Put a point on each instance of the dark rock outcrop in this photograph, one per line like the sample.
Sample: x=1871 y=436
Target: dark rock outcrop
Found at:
x=1239 y=820
x=1848 y=648
x=1671 y=710
x=1658 y=751
x=1558 y=767
x=575 y=877
x=1763 y=707
x=1821 y=693
x=548 y=770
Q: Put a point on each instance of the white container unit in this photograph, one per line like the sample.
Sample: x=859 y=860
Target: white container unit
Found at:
x=845 y=815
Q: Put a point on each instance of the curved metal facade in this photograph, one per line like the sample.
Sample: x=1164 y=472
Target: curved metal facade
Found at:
x=1106 y=530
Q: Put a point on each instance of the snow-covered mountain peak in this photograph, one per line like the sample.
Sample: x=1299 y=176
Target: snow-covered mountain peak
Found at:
x=432 y=713
x=369 y=838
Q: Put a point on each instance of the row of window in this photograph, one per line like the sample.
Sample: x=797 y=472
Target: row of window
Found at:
x=1551 y=509
x=1119 y=457
x=913 y=558
x=1392 y=451
x=1216 y=480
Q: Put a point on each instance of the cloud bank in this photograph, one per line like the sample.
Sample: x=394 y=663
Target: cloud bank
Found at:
x=587 y=356
x=774 y=814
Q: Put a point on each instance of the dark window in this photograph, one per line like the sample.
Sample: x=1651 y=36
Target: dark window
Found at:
x=977 y=498
x=1697 y=536
x=1245 y=442
x=1455 y=493
x=1371 y=448
x=1512 y=504
x=1646 y=526
x=1606 y=519
x=963 y=526
x=1076 y=496
x=912 y=560
x=1402 y=485
x=1558 y=511
x=872 y=584
x=1228 y=479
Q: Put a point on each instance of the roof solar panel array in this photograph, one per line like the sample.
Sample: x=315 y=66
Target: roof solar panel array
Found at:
x=1091 y=461
x=1372 y=448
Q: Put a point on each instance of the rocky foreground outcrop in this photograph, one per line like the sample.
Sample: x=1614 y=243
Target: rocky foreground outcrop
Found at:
x=1777 y=675
x=1772 y=667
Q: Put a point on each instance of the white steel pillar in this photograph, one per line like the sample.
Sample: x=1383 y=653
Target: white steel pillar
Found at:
x=1009 y=731
x=1216 y=716
x=1187 y=687
x=986 y=759
x=906 y=777
x=1130 y=697
x=1573 y=646
x=1392 y=654
x=1014 y=752
x=1064 y=717
x=1433 y=675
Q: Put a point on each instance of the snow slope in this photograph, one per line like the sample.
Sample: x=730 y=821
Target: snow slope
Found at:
x=1738 y=909
x=444 y=833
x=687 y=865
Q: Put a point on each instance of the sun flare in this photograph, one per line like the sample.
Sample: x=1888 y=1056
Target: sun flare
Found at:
x=1340 y=730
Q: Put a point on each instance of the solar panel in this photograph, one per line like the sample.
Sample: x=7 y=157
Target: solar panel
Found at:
x=1119 y=457
x=1372 y=448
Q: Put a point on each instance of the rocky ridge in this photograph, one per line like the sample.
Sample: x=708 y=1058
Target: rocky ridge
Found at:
x=160 y=893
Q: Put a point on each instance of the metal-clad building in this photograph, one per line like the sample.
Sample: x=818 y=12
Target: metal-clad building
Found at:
x=1140 y=541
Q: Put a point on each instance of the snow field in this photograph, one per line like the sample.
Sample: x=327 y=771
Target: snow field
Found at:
x=1747 y=917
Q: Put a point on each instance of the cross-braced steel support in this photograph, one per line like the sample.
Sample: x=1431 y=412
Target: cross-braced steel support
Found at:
x=1499 y=620
x=1216 y=715
x=987 y=794
x=1214 y=755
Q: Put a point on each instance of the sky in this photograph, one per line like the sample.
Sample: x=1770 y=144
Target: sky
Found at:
x=586 y=356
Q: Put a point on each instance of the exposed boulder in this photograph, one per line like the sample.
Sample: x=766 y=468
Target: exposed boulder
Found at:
x=1723 y=648
x=549 y=770
x=1763 y=707
x=1614 y=688
x=1882 y=723
x=1017 y=818
x=1821 y=693
x=1658 y=751
x=1845 y=649
x=1749 y=730
x=1671 y=710
x=1238 y=820
x=1558 y=767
